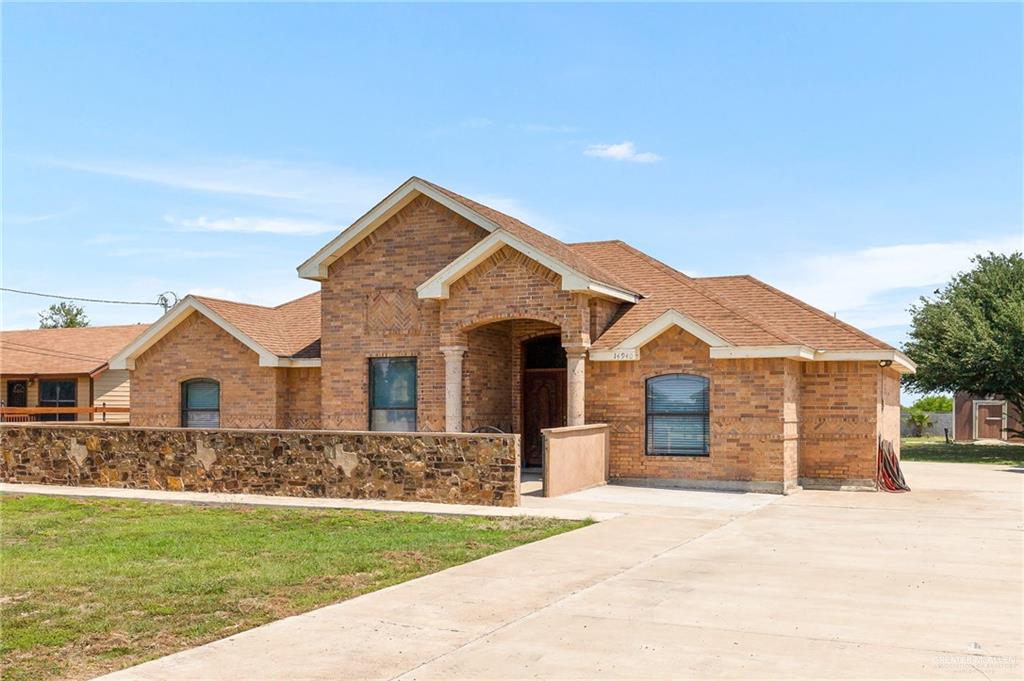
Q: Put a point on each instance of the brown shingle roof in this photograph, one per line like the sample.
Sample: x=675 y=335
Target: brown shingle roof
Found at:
x=665 y=289
x=538 y=239
x=816 y=328
x=288 y=330
x=63 y=351
x=741 y=309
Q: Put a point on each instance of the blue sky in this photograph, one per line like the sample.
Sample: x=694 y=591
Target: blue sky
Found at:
x=854 y=155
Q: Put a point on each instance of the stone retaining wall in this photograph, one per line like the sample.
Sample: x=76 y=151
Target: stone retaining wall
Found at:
x=441 y=467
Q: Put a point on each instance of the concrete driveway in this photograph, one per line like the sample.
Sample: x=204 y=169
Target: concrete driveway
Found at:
x=690 y=585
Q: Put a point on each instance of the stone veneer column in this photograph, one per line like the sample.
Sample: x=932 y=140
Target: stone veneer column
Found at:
x=576 y=384
x=453 y=387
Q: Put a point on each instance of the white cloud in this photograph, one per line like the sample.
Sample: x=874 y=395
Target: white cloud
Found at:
x=312 y=184
x=874 y=287
x=624 y=151
x=253 y=225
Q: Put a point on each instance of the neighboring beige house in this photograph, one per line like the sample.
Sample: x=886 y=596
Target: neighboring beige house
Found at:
x=438 y=313
x=66 y=368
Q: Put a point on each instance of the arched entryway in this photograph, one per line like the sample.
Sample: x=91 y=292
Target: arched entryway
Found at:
x=543 y=393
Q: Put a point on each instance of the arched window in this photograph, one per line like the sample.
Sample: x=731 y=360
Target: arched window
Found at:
x=200 y=403
x=677 y=415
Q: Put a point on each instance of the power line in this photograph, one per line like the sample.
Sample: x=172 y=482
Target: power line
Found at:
x=35 y=350
x=84 y=300
x=164 y=300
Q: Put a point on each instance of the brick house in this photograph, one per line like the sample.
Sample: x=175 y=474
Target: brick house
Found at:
x=437 y=313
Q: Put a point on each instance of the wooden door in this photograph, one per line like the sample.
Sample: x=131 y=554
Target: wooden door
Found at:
x=17 y=394
x=543 y=407
x=990 y=421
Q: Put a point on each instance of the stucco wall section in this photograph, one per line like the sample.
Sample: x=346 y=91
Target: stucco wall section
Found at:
x=889 y=407
x=370 y=309
x=473 y=469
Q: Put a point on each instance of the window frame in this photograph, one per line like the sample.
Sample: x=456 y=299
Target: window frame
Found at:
x=416 y=392
x=706 y=451
x=58 y=403
x=186 y=410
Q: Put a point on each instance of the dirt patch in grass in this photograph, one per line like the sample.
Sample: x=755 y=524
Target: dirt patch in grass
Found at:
x=89 y=586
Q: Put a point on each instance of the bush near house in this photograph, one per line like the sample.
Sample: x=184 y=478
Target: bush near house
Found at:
x=90 y=586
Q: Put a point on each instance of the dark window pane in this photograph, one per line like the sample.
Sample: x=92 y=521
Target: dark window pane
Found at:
x=57 y=391
x=200 y=403
x=682 y=434
x=393 y=394
x=394 y=383
x=677 y=394
x=202 y=395
x=677 y=415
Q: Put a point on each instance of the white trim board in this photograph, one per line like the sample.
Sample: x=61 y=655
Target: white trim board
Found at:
x=125 y=359
x=437 y=286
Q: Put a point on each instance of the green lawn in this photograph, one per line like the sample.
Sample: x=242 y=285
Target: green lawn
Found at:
x=88 y=586
x=936 y=449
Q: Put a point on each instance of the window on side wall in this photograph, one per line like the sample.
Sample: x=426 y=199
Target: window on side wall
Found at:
x=61 y=393
x=677 y=416
x=393 y=394
x=200 y=403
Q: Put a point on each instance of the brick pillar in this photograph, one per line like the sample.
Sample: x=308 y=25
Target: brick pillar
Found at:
x=576 y=384
x=453 y=387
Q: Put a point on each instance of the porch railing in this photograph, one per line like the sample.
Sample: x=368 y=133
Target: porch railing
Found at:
x=23 y=414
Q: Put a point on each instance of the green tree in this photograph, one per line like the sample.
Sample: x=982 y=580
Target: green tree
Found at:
x=934 y=403
x=63 y=315
x=919 y=420
x=970 y=335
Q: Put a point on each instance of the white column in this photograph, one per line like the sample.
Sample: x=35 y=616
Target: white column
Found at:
x=453 y=387
x=576 y=384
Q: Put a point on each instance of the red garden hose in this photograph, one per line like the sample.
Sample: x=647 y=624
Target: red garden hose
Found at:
x=890 y=477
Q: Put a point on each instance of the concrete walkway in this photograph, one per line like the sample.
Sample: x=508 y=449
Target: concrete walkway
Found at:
x=225 y=499
x=689 y=585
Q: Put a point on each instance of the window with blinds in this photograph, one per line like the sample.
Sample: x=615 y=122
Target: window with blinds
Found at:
x=200 y=403
x=677 y=415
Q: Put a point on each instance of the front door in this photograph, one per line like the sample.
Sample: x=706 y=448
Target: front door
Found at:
x=990 y=421
x=17 y=394
x=543 y=407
